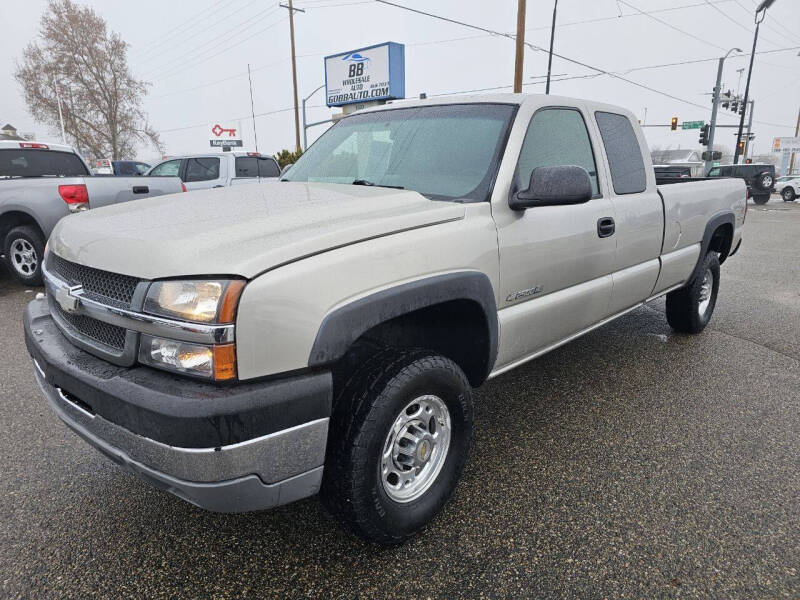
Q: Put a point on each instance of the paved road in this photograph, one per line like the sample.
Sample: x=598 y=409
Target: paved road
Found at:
x=632 y=463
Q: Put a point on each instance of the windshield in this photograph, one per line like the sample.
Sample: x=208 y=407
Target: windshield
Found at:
x=444 y=152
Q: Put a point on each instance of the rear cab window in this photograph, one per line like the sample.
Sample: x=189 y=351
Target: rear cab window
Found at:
x=624 y=153
x=26 y=162
x=246 y=166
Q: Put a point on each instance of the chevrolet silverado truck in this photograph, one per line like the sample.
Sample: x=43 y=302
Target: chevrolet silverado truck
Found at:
x=40 y=184
x=247 y=347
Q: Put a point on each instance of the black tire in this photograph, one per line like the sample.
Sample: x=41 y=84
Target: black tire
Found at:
x=764 y=181
x=788 y=194
x=20 y=242
x=684 y=312
x=761 y=198
x=364 y=413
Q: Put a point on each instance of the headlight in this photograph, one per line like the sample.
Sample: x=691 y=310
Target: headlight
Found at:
x=210 y=362
x=211 y=301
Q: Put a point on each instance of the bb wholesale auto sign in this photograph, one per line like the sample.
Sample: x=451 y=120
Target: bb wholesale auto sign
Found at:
x=366 y=75
x=223 y=135
x=786 y=144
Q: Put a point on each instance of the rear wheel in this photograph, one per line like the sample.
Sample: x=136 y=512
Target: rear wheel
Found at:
x=24 y=250
x=400 y=435
x=761 y=198
x=788 y=194
x=689 y=309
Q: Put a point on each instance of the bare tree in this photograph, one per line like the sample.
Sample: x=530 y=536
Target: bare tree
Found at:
x=101 y=100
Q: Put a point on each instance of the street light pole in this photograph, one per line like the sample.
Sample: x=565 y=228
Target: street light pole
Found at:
x=550 y=56
x=761 y=12
x=305 y=127
x=714 y=106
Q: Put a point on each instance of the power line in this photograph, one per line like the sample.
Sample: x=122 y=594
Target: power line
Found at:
x=738 y=23
x=184 y=27
x=180 y=44
x=184 y=67
x=246 y=117
x=561 y=56
x=209 y=45
x=671 y=26
x=751 y=12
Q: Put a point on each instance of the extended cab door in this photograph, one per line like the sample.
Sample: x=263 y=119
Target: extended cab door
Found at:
x=555 y=261
x=638 y=207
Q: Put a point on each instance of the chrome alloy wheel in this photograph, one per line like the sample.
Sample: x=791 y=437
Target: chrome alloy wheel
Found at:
x=416 y=448
x=23 y=257
x=706 y=287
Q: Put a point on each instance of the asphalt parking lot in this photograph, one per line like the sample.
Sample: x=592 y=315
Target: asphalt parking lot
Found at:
x=632 y=463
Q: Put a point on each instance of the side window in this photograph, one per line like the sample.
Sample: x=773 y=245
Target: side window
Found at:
x=246 y=166
x=267 y=167
x=623 y=152
x=141 y=168
x=202 y=169
x=171 y=168
x=555 y=137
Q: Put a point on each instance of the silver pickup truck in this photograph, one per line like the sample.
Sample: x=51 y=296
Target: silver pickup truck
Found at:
x=247 y=347
x=42 y=183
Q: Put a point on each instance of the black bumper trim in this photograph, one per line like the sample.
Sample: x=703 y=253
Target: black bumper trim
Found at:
x=168 y=408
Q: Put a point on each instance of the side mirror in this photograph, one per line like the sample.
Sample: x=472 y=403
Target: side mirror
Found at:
x=553 y=186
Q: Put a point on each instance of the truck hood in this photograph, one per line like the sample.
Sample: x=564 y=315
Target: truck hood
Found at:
x=243 y=230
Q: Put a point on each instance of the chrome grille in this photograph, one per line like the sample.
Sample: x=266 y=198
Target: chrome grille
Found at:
x=106 y=334
x=109 y=288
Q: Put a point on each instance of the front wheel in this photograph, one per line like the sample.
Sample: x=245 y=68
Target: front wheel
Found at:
x=788 y=194
x=400 y=435
x=689 y=309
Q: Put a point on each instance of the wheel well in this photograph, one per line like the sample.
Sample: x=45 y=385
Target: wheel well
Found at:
x=10 y=220
x=456 y=329
x=721 y=241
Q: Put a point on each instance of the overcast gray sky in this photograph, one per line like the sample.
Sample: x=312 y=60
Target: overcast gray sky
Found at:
x=186 y=48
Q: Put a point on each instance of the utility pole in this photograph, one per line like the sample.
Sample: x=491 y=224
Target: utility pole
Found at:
x=294 y=74
x=714 y=105
x=252 y=110
x=761 y=10
x=552 y=37
x=520 y=54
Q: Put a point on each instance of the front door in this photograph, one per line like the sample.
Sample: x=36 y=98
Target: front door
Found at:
x=555 y=265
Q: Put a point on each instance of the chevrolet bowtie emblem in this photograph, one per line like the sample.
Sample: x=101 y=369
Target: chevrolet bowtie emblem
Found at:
x=66 y=300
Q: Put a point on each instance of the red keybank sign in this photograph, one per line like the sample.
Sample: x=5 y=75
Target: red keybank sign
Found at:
x=222 y=134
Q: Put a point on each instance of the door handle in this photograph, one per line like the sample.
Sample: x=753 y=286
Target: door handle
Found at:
x=606 y=227
x=141 y=189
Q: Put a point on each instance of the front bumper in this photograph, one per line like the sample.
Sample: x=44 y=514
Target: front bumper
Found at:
x=216 y=447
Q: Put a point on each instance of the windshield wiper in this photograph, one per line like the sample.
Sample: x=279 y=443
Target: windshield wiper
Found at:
x=370 y=183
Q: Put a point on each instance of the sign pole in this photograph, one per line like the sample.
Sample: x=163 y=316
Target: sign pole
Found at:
x=520 y=54
x=252 y=110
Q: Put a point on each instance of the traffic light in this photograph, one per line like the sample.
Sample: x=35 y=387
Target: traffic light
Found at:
x=673 y=124
x=741 y=109
x=741 y=148
x=704 y=135
x=735 y=106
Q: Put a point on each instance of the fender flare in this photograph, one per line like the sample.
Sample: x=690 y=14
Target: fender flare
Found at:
x=343 y=326
x=724 y=218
